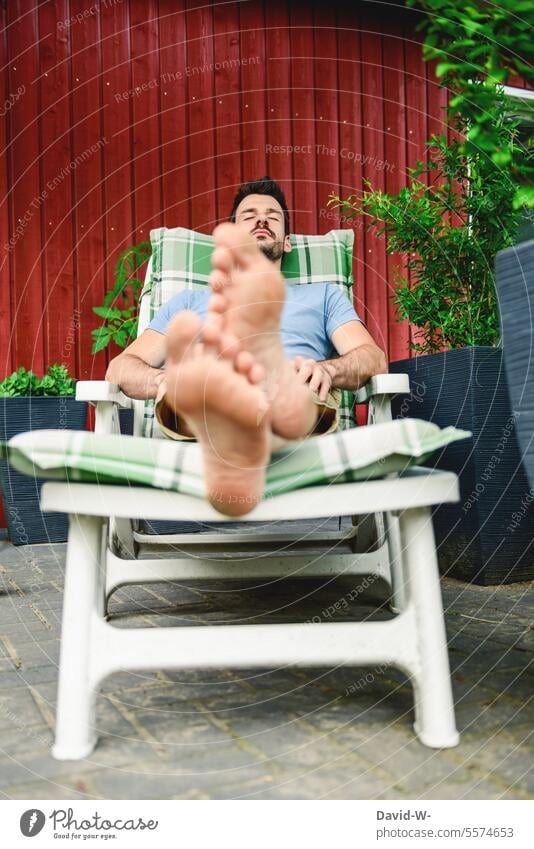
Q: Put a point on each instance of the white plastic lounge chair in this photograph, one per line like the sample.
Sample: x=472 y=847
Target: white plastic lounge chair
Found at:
x=105 y=534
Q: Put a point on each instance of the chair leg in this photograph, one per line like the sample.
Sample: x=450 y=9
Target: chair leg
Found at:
x=122 y=538
x=434 y=707
x=398 y=579
x=83 y=596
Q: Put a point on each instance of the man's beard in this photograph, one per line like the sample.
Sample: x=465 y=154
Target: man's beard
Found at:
x=273 y=251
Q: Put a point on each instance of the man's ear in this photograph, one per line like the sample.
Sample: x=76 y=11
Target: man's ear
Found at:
x=287 y=245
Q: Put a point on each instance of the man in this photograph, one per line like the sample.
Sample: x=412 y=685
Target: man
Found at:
x=249 y=363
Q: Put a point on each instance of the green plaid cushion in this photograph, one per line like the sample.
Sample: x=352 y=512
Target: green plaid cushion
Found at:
x=351 y=455
x=181 y=259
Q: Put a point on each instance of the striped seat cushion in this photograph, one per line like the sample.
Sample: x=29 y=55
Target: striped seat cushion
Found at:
x=181 y=259
x=357 y=454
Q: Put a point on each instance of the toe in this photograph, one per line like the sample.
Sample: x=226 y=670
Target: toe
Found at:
x=212 y=331
x=244 y=362
x=222 y=261
x=217 y=303
x=218 y=279
x=242 y=245
x=256 y=373
x=229 y=346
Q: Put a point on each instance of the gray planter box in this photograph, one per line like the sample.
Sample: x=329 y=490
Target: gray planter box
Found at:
x=514 y=276
x=26 y=522
x=487 y=537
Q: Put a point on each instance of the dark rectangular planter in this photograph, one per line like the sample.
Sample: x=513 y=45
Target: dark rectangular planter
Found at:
x=26 y=522
x=487 y=537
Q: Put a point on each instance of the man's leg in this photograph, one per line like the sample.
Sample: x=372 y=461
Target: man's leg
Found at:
x=216 y=392
x=249 y=292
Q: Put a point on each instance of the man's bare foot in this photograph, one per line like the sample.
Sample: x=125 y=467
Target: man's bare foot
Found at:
x=215 y=389
x=250 y=292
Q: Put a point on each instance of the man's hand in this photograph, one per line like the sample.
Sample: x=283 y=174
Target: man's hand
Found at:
x=318 y=376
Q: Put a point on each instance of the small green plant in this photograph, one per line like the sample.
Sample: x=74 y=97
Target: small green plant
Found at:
x=56 y=381
x=121 y=304
x=449 y=222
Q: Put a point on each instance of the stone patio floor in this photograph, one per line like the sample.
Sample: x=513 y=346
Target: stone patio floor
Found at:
x=259 y=734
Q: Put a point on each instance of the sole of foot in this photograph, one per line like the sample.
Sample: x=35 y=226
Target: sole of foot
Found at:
x=249 y=292
x=216 y=389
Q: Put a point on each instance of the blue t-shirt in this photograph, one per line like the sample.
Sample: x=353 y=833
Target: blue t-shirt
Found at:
x=311 y=313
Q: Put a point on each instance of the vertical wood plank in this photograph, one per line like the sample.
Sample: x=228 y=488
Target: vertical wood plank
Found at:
x=436 y=101
x=6 y=225
x=88 y=151
x=26 y=196
x=228 y=116
x=376 y=290
x=147 y=166
x=350 y=136
x=174 y=117
x=60 y=318
x=395 y=171
x=303 y=118
x=327 y=150
x=201 y=141
x=253 y=88
x=278 y=120
x=417 y=130
x=118 y=95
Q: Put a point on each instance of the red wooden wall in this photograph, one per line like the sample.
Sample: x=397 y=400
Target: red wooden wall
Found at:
x=130 y=114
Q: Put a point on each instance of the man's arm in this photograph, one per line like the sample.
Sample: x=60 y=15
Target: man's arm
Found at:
x=359 y=359
x=137 y=369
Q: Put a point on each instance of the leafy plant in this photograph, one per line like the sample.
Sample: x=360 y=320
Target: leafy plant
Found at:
x=56 y=381
x=450 y=226
x=477 y=46
x=120 y=310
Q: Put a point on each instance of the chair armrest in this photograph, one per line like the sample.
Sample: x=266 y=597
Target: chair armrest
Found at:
x=102 y=390
x=383 y=384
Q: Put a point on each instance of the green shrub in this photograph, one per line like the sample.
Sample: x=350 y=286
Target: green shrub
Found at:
x=56 y=381
x=450 y=226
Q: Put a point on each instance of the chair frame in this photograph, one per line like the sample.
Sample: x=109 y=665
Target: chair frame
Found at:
x=398 y=546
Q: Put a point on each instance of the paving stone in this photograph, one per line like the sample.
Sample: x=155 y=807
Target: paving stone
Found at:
x=342 y=781
x=490 y=714
x=464 y=788
x=506 y=757
x=18 y=711
x=44 y=790
x=153 y=782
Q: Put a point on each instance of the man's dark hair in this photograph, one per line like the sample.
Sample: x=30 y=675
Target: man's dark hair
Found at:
x=265 y=186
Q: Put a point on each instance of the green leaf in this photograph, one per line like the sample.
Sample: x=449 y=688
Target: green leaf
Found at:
x=444 y=67
x=524 y=197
